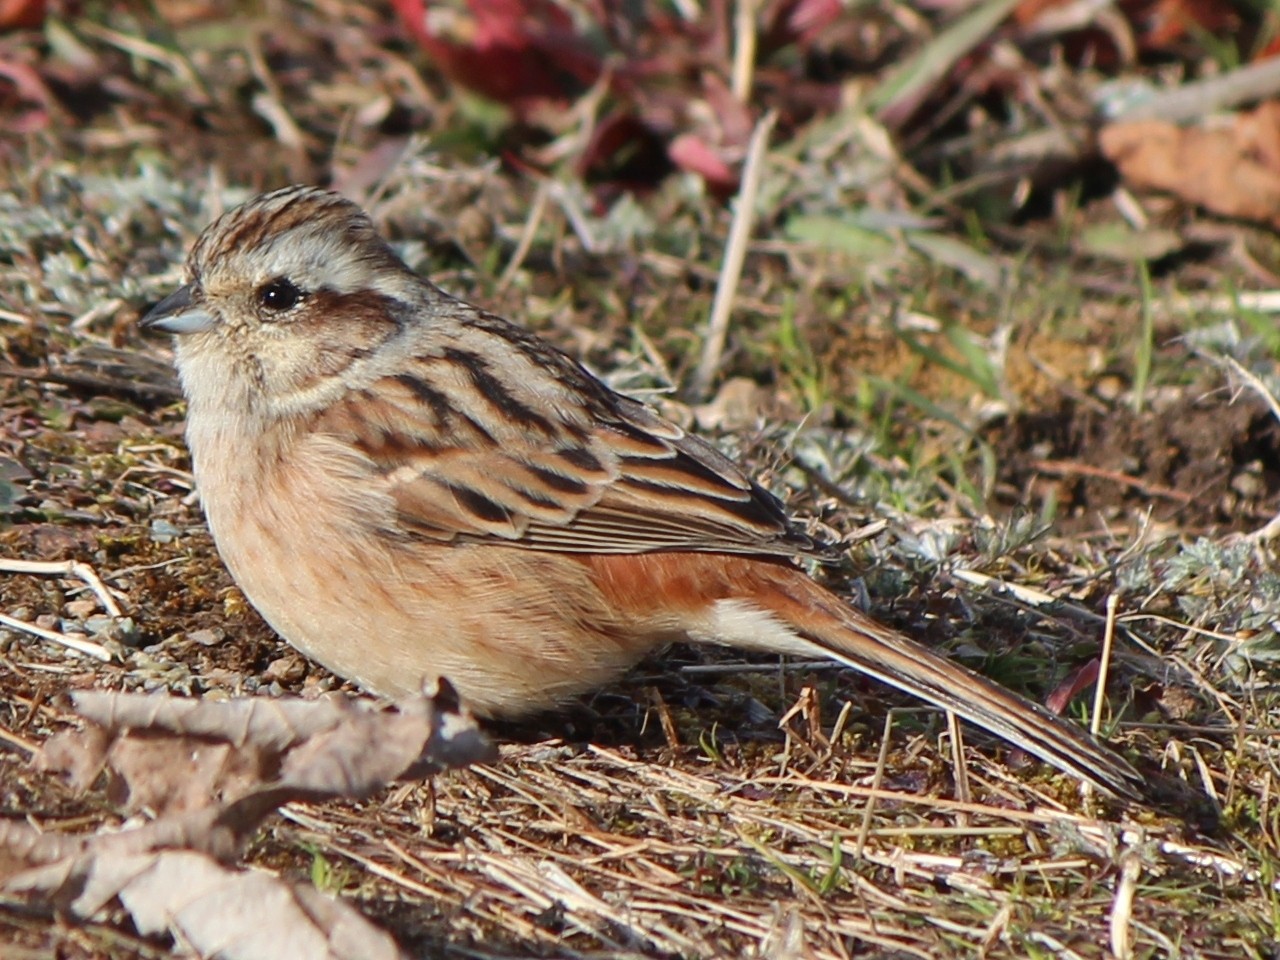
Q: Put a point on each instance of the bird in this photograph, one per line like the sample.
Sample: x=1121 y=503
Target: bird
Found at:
x=407 y=486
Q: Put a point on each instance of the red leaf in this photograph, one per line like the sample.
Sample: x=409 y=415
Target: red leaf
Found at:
x=518 y=52
x=21 y=14
x=797 y=21
x=689 y=152
x=25 y=87
x=1067 y=691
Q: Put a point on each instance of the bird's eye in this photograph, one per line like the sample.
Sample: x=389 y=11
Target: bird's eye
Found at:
x=279 y=295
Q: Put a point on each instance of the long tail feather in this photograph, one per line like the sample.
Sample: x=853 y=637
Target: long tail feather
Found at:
x=823 y=626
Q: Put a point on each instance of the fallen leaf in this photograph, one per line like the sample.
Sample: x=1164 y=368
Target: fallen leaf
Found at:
x=517 y=52
x=1230 y=169
x=219 y=911
x=21 y=14
x=208 y=773
x=1079 y=681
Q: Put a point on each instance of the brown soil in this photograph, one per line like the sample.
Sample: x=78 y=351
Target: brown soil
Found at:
x=1193 y=460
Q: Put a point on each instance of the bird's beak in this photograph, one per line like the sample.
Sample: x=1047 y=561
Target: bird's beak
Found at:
x=178 y=313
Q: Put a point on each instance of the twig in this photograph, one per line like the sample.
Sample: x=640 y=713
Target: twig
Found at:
x=1122 y=906
x=526 y=235
x=744 y=49
x=733 y=669
x=94 y=650
x=1257 y=81
x=574 y=213
x=734 y=256
x=996 y=928
x=1066 y=468
x=1178 y=624
x=1024 y=594
x=65 y=568
x=19 y=743
x=173 y=60
x=1104 y=665
x=1258 y=301
x=1057 y=947
x=1104 y=668
x=1253 y=381
x=72 y=378
x=963 y=793
x=829 y=486
x=842 y=721
x=865 y=829
x=268 y=103
x=95 y=313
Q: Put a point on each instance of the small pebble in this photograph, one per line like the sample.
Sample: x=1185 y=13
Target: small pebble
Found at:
x=126 y=631
x=1248 y=484
x=207 y=638
x=80 y=608
x=285 y=669
x=162 y=531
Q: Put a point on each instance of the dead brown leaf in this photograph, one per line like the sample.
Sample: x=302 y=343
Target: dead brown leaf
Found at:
x=208 y=773
x=1231 y=169
x=217 y=910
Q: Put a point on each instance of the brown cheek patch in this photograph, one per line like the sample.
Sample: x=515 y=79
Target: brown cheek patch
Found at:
x=340 y=329
x=363 y=318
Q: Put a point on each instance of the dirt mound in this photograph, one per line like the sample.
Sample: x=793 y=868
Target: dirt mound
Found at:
x=1198 y=461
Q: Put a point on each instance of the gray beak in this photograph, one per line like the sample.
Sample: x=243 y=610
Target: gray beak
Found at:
x=178 y=313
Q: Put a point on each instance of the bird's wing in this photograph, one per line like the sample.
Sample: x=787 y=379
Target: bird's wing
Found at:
x=508 y=440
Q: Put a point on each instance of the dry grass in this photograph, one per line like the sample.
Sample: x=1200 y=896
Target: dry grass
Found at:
x=595 y=850
x=1035 y=430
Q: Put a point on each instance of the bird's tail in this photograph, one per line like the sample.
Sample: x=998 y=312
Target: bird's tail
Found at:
x=795 y=615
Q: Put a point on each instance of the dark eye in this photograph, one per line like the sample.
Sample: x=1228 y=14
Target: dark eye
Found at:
x=279 y=295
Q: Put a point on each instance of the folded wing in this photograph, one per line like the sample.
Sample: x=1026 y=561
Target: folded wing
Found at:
x=548 y=458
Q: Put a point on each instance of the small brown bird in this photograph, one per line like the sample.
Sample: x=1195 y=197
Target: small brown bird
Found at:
x=406 y=486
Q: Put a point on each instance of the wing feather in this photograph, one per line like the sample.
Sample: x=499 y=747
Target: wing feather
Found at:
x=527 y=448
